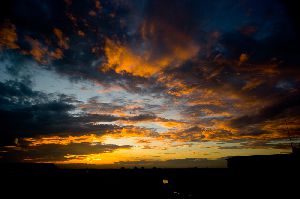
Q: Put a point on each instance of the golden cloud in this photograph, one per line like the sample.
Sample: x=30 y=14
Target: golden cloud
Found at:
x=253 y=84
x=41 y=53
x=8 y=36
x=65 y=140
x=176 y=87
x=144 y=59
x=57 y=54
x=63 y=41
x=38 y=51
x=243 y=58
x=122 y=59
x=98 y=5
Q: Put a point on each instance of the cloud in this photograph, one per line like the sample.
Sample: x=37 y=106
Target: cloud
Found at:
x=41 y=53
x=285 y=107
x=63 y=41
x=56 y=152
x=8 y=36
x=197 y=71
x=26 y=113
x=143 y=62
x=253 y=83
x=243 y=58
x=159 y=42
x=248 y=30
x=259 y=144
x=177 y=163
x=38 y=52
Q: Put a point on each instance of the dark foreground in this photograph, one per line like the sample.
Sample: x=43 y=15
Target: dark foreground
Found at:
x=49 y=181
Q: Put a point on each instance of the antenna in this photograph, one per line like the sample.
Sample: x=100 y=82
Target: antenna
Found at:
x=288 y=131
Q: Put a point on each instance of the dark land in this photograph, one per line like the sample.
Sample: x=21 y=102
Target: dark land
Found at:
x=266 y=176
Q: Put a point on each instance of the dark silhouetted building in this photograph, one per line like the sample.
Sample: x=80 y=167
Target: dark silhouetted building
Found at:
x=267 y=161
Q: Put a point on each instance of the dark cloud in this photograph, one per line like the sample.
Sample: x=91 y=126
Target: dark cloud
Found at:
x=26 y=113
x=282 y=45
x=55 y=152
x=141 y=117
x=178 y=163
x=193 y=134
x=151 y=26
x=284 y=108
x=259 y=144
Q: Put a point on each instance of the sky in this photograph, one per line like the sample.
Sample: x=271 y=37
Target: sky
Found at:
x=124 y=83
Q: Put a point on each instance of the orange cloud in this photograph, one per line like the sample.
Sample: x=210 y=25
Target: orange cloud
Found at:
x=41 y=53
x=131 y=131
x=171 y=124
x=92 y=13
x=175 y=86
x=81 y=33
x=158 y=121
x=161 y=46
x=206 y=101
x=243 y=58
x=148 y=145
x=8 y=36
x=122 y=59
x=278 y=128
x=65 y=140
x=143 y=59
x=72 y=18
x=252 y=84
x=98 y=5
x=63 y=41
x=57 y=54
x=269 y=69
x=38 y=52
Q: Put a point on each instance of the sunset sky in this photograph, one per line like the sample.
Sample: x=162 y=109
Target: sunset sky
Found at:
x=165 y=83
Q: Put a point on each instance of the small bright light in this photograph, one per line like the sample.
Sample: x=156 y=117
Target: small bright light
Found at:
x=165 y=181
x=16 y=141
